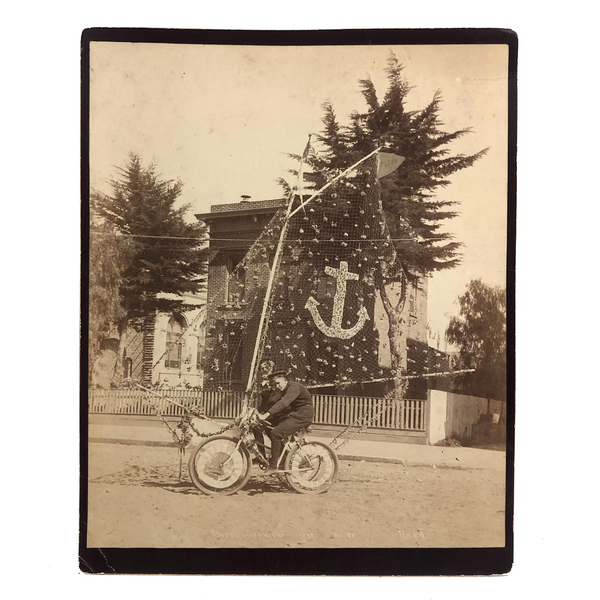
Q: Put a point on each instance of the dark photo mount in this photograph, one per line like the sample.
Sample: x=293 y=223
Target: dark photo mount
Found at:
x=302 y=561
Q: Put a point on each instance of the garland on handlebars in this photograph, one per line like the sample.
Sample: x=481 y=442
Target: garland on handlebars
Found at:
x=185 y=425
x=188 y=429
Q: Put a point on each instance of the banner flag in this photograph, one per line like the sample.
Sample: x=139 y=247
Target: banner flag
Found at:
x=388 y=163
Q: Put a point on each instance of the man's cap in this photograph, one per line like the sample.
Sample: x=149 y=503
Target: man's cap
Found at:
x=278 y=374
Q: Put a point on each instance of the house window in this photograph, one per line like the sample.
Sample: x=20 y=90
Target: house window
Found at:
x=412 y=302
x=236 y=282
x=175 y=329
x=199 y=353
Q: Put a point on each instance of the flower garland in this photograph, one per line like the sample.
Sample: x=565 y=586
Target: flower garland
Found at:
x=382 y=407
x=185 y=425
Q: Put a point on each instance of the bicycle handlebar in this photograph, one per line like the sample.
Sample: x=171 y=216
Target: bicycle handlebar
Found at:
x=249 y=414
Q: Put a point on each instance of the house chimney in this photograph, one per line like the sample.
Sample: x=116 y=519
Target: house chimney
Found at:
x=246 y=198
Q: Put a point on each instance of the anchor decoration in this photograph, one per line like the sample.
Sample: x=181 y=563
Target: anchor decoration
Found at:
x=335 y=330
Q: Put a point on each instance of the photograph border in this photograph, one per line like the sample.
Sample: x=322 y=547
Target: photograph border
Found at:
x=306 y=561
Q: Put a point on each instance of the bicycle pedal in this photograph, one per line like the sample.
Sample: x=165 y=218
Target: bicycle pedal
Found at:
x=271 y=471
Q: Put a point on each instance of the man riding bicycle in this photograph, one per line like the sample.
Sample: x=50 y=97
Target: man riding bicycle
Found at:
x=288 y=408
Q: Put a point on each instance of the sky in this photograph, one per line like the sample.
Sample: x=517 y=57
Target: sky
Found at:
x=223 y=118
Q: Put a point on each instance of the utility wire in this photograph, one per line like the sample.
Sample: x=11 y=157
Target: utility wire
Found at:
x=157 y=237
x=163 y=237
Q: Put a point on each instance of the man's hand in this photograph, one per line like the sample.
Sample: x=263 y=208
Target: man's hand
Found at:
x=264 y=416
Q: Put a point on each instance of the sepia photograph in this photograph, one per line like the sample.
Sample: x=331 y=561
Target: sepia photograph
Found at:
x=298 y=279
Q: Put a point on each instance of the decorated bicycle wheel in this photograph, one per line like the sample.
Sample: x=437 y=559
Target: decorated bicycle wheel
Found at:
x=312 y=468
x=219 y=466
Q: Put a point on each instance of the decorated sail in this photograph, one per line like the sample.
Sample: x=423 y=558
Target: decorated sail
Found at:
x=322 y=324
x=310 y=294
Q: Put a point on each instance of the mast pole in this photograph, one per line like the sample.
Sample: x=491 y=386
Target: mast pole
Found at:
x=263 y=315
x=272 y=273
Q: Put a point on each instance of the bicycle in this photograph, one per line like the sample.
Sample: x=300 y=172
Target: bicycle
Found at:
x=222 y=464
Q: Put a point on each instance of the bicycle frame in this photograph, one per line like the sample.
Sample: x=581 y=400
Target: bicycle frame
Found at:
x=246 y=438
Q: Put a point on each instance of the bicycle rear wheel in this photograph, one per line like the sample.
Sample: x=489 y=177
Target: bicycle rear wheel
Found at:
x=313 y=468
x=219 y=466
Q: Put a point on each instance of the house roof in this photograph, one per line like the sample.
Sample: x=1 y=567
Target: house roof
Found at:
x=240 y=209
x=423 y=359
x=189 y=299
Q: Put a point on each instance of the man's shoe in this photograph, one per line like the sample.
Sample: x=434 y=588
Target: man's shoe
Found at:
x=271 y=471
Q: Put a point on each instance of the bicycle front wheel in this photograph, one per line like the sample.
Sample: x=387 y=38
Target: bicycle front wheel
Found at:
x=219 y=466
x=312 y=468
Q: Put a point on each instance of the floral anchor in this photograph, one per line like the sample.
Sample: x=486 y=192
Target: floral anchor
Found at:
x=335 y=329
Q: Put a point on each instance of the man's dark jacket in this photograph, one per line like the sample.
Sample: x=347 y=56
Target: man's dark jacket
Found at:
x=295 y=400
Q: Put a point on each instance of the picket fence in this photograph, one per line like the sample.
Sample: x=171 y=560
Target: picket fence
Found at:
x=329 y=410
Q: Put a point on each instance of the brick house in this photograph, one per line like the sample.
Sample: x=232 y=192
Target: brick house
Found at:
x=233 y=229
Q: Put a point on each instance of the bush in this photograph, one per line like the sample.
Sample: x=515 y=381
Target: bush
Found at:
x=449 y=442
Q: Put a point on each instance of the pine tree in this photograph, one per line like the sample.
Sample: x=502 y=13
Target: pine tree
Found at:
x=479 y=332
x=166 y=255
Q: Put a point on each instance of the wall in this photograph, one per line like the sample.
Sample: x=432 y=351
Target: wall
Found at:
x=454 y=415
x=413 y=317
x=415 y=312
x=437 y=415
x=105 y=366
x=134 y=349
x=462 y=413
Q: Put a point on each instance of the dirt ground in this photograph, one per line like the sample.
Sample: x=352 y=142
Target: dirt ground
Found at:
x=137 y=500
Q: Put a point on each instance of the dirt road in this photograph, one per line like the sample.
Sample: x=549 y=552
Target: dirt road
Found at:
x=137 y=500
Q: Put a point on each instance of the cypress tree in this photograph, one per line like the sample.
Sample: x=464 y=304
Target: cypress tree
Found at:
x=413 y=213
x=166 y=255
